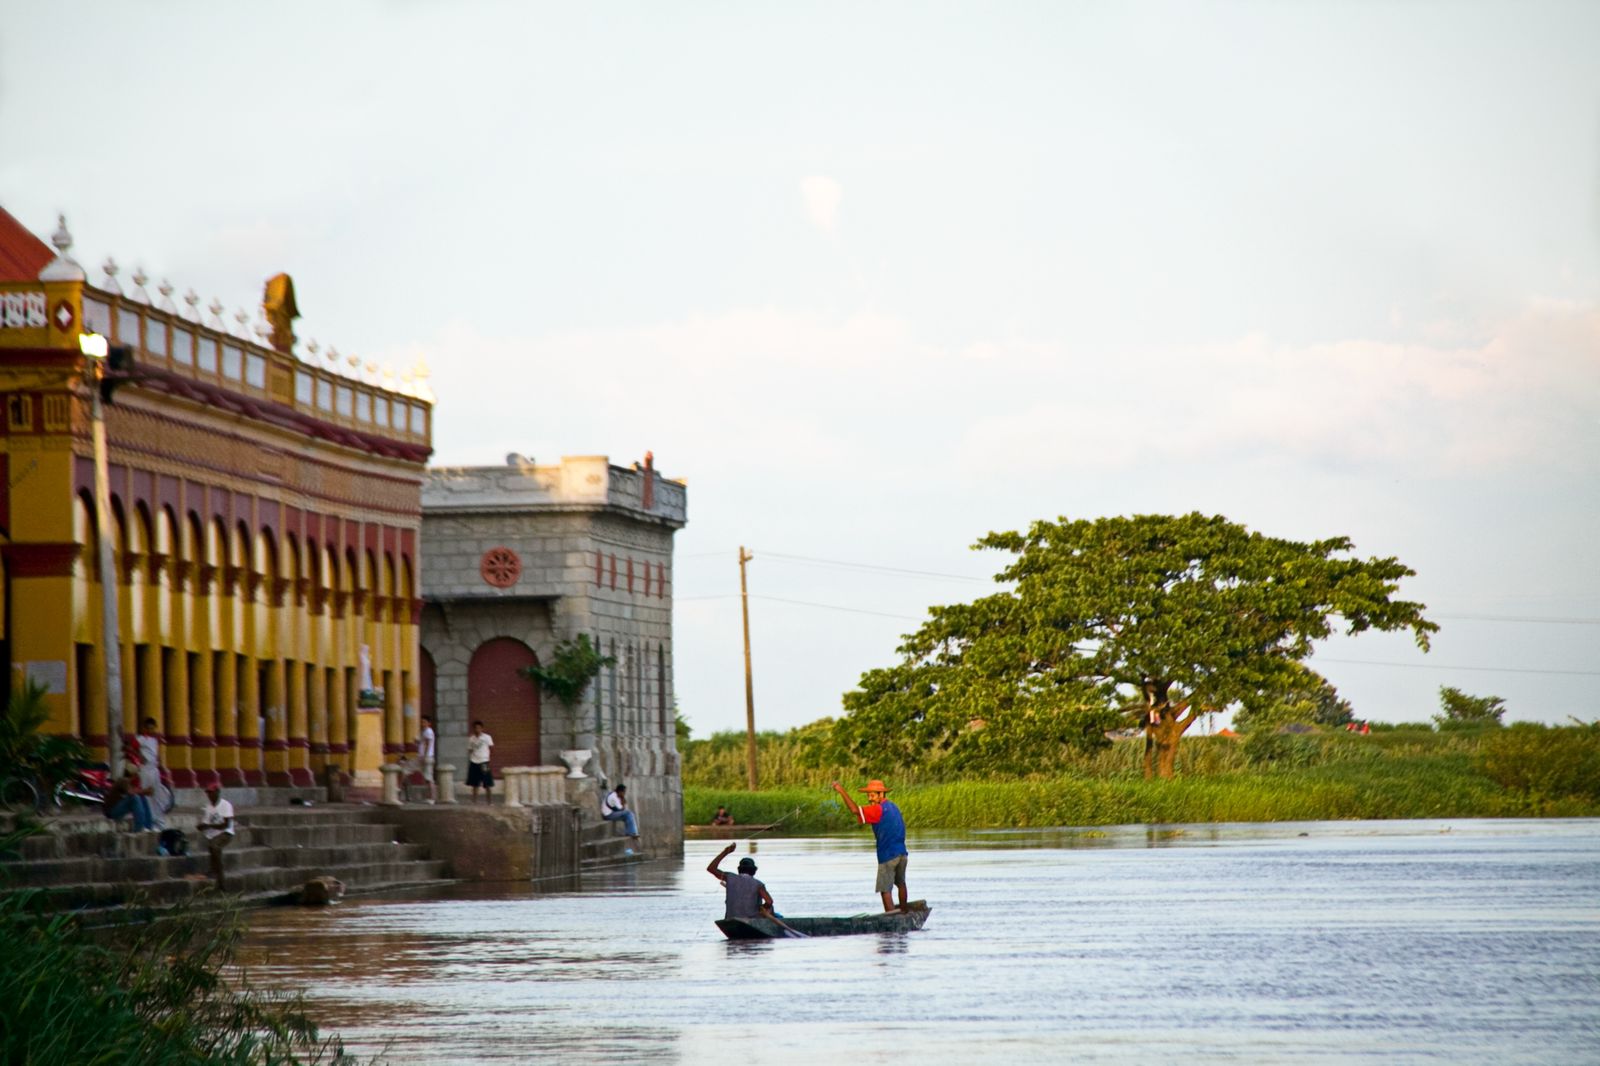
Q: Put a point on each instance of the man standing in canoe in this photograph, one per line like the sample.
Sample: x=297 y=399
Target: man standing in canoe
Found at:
x=747 y=897
x=889 y=828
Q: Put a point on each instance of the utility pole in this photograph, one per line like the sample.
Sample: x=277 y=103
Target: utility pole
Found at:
x=749 y=685
x=96 y=349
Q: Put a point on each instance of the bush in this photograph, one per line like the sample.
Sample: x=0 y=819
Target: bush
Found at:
x=1543 y=761
x=1270 y=748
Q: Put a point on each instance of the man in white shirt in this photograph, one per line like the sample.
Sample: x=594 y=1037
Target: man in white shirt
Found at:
x=216 y=825
x=425 y=753
x=148 y=740
x=615 y=808
x=478 y=745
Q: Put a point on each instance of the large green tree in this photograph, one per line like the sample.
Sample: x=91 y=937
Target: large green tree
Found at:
x=1175 y=616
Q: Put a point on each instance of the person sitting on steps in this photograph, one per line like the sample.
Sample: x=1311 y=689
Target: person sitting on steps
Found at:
x=216 y=824
x=126 y=797
x=615 y=808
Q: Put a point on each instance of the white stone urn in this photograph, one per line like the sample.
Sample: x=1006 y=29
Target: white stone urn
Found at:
x=576 y=759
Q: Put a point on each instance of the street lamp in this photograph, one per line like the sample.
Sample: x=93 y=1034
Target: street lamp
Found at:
x=97 y=350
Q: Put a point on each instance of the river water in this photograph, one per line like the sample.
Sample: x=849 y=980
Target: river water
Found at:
x=1460 y=942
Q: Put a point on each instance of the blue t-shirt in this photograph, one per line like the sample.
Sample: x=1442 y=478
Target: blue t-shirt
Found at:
x=888 y=827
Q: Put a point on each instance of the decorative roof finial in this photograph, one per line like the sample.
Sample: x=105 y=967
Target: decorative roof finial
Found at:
x=192 y=298
x=312 y=347
x=216 y=309
x=333 y=356
x=239 y=328
x=110 y=284
x=63 y=267
x=139 y=278
x=165 y=289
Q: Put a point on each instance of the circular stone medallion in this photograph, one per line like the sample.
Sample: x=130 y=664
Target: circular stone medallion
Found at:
x=500 y=567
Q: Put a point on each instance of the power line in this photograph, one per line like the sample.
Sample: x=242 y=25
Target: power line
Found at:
x=876 y=568
x=1476 y=669
x=1517 y=618
x=836 y=607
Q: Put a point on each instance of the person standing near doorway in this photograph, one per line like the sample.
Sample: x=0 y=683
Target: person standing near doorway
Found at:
x=425 y=754
x=478 y=774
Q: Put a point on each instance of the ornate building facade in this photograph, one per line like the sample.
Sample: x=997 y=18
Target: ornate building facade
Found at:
x=520 y=558
x=266 y=516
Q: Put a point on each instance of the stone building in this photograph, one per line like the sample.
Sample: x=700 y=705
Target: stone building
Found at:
x=263 y=510
x=517 y=559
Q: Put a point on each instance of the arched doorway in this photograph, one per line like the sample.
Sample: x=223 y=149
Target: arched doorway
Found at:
x=507 y=702
x=429 y=683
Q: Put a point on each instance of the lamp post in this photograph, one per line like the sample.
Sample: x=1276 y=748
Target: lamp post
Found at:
x=95 y=347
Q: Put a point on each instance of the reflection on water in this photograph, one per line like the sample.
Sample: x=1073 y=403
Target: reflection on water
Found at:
x=1319 y=942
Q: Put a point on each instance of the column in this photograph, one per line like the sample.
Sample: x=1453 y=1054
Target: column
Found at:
x=299 y=719
x=230 y=773
x=317 y=741
x=151 y=691
x=203 y=718
x=338 y=719
x=275 y=746
x=177 y=754
x=250 y=720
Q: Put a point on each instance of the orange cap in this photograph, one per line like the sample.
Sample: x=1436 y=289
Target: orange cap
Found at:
x=874 y=786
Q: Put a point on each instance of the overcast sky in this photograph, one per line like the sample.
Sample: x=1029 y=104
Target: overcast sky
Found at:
x=876 y=279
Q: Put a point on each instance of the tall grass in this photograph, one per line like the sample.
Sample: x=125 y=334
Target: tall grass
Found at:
x=136 y=990
x=1394 y=774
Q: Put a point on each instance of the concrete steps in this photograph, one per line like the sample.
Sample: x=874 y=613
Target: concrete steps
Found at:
x=86 y=861
x=605 y=844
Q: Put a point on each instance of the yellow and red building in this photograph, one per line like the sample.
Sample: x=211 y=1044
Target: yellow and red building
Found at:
x=266 y=512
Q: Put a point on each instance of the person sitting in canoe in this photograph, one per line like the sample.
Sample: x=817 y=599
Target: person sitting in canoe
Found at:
x=722 y=817
x=747 y=897
x=889 y=829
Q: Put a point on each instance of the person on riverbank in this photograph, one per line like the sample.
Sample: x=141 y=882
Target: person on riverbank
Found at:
x=889 y=830
x=216 y=825
x=126 y=798
x=745 y=896
x=147 y=751
x=426 y=747
x=722 y=817
x=615 y=808
x=478 y=773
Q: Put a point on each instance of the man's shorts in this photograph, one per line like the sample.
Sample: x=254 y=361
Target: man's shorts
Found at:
x=427 y=771
x=478 y=775
x=892 y=873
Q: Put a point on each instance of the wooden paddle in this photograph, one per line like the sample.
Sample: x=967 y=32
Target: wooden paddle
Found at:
x=788 y=930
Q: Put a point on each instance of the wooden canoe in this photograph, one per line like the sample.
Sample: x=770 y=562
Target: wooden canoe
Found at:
x=722 y=832
x=905 y=921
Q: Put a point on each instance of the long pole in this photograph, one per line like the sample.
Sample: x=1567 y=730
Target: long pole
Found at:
x=749 y=684
x=110 y=628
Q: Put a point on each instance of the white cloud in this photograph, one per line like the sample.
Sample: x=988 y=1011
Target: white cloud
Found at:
x=822 y=196
x=1518 y=397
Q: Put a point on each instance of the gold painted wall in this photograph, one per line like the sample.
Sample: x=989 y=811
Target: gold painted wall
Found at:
x=265 y=525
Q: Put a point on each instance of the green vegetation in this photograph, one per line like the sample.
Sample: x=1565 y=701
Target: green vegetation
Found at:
x=1153 y=620
x=1267 y=775
x=137 y=990
x=1459 y=710
x=24 y=749
x=573 y=666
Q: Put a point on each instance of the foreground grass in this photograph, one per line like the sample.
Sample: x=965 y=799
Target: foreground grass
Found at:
x=141 y=989
x=1399 y=775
